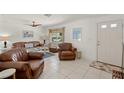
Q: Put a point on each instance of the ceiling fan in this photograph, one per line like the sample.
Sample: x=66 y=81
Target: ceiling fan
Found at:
x=34 y=24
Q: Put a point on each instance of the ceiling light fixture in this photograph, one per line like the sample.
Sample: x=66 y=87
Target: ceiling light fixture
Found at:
x=47 y=15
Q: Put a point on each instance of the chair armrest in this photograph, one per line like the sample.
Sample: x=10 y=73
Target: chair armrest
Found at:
x=59 y=49
x=21 y=65
x=74 y=49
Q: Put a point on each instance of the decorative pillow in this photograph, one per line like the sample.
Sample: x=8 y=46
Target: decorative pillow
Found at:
x=28 y=45
x=35 y=55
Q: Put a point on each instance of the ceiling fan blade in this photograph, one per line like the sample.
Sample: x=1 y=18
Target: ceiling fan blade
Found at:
x=34 y=24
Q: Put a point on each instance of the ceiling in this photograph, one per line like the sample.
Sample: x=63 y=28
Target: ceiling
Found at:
x=54 y=19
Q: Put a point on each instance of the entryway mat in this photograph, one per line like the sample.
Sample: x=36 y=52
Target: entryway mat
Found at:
x=105 y=67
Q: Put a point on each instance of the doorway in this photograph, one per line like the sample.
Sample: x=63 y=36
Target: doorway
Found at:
x=109 y=42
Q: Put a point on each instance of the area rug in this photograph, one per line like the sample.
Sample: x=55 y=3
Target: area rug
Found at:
x=105 y=67
x=48 y=54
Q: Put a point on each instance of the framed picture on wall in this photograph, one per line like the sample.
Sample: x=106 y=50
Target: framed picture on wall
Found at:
x=76 y=34
x=27 y=34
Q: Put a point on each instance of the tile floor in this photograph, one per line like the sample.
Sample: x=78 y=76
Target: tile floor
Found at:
x=78 y=69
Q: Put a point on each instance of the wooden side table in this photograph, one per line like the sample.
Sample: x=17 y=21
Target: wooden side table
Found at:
x=78 y=55
x=7 y=73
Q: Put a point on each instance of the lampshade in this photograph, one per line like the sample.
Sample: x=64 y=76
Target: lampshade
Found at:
x=44 y=37
x=4 y=37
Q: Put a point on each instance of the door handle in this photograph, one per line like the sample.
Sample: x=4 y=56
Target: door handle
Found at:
x=98 y=43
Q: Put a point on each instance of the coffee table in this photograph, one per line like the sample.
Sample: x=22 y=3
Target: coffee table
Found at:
x=7 y=73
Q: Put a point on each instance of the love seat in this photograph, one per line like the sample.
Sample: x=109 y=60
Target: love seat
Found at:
x=28 y=65
x=29 y=44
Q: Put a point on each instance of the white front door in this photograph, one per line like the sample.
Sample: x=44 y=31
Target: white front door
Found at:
x=109 y=45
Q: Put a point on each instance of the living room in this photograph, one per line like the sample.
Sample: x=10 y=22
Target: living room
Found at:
x=44 y=34
x=64 y=46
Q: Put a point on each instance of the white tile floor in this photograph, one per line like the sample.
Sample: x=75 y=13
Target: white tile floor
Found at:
x=78 y=69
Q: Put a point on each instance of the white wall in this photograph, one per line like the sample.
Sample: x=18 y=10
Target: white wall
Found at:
x=15 y=28
x=89 y=34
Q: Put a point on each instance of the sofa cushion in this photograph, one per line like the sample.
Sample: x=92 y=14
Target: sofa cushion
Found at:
x=5 y=57
x=35 y=65
x=19 y=44
x=65 y=46
x=19 y=54
x=35 y=55
x=67 y=53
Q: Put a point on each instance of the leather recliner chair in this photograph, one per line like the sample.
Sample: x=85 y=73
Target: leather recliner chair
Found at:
x=66 y=51
x=27 y=65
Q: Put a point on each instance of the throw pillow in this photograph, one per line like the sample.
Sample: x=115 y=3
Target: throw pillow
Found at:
x=28 y=45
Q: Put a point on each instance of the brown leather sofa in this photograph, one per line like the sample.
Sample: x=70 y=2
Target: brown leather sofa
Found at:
x=66 y=51
x=27 y=65
x=22 y=44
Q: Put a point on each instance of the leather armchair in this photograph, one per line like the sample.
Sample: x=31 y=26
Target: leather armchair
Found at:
x=66 y=51
x=27 y=65
x=53 y=48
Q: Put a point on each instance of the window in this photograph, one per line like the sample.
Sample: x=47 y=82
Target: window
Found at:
x=113 y=25
x=56 y=35
x=103 y=26
x=77 y=34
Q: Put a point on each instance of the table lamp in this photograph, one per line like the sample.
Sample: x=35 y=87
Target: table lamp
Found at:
x=44 y=38
x=4 y=38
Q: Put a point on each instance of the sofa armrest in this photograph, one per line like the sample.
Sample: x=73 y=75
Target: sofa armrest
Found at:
x=35 y=55
x=74 y=49
x=59 y=50
x=21 y=66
